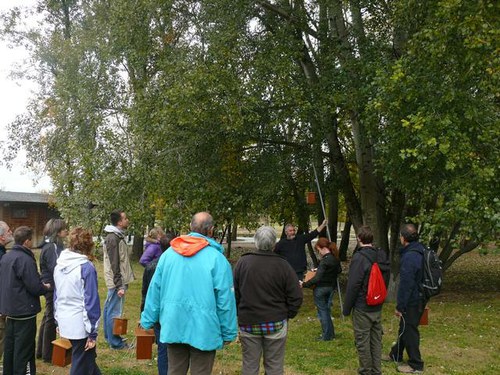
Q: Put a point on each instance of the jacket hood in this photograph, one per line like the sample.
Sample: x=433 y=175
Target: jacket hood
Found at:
x=192 y=243
x=69 y=260
x=150 y=241
x=113 y=229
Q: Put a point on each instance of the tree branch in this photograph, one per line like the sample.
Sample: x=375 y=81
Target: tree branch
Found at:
x=290 y=18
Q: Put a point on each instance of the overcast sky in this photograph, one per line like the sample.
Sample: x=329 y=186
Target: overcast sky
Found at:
x=14 y=95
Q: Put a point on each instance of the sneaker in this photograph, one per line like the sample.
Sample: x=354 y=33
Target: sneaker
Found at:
x=125 y=346
x=407 y=369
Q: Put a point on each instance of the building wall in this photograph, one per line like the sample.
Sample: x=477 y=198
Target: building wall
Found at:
x=33 y=215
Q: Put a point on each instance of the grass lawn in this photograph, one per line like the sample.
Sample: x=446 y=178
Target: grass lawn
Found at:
x=463 y=335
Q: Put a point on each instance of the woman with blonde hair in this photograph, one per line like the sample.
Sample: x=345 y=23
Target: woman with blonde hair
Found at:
x=76 y=301
x=324 y=285
x=152 y=249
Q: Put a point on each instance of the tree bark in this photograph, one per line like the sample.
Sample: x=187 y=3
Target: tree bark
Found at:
x=137 y=247
x=344 y=242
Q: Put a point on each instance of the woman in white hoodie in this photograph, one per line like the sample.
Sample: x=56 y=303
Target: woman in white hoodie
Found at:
x=76 y=301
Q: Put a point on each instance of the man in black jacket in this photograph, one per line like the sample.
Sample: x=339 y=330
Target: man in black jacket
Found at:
x=366 y=319
x=293 y=247
x=5 y=238
x=20 y=302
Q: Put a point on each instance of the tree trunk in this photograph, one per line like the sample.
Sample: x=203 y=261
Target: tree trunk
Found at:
x=137 y=247
x=234 y=234
x=229 y=240
x=333 y=211
x=344 y=242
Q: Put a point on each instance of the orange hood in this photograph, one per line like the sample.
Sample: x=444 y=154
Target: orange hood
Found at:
x=188 y=245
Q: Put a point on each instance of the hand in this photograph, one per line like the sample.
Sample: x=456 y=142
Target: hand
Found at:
x=46 y=285
x=90 y=344
x=398 y=313
x=300 y=283
x=323 y=225
x=121 y=293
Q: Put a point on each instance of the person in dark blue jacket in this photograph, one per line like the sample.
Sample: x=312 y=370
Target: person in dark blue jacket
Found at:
x=410 y=301
x=20 y=302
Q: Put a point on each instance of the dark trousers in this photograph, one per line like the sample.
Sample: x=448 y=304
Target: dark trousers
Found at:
x=83 y=362
x=368 y=339
x=2 y=334
x=47 y=332
x=162 y=352
x=19 y=350
x=182 y=357
x=409 y=338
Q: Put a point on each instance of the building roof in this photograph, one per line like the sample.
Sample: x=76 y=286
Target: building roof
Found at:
x=12 y=196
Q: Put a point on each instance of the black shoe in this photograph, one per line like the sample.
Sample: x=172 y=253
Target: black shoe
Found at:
x=389 y=358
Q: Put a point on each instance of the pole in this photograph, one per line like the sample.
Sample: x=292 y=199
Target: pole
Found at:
x=329 y=237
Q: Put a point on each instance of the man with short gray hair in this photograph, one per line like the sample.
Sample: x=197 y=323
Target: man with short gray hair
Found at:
x=5 y=238
x=293 y=247
x=267 y=295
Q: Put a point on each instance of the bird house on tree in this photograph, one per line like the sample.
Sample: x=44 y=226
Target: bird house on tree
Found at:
x=311 y=197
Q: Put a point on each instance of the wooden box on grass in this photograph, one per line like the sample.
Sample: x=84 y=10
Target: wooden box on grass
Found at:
x=145 y=339
x=120 y=326
x=61 y=352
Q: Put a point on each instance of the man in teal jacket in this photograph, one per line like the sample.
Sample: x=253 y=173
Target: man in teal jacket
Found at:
x=191 y=295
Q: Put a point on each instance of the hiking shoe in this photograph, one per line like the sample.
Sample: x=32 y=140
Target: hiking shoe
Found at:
x=407 y=369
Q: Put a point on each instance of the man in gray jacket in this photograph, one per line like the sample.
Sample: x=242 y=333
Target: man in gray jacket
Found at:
x=117 y=274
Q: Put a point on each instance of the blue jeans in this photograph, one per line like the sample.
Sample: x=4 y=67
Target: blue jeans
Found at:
x=323 y=300
x=113 y=307
x=162 y=352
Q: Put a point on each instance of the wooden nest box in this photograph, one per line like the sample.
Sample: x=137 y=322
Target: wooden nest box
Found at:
x=120 y=326
x=61 y=352
x=145 y=339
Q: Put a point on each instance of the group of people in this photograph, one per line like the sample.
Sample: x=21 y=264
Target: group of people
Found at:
x=193 y=299
x=67 y=279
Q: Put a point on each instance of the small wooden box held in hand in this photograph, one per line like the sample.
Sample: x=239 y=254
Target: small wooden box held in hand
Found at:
x=61 y=352
x=120 y=326
x=309 y=275
x=145 y=339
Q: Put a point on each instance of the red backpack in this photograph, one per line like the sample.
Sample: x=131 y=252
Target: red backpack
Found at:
x=377 y=291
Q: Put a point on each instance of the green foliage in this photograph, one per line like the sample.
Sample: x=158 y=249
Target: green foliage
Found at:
x=439 y=104
x=164 y=108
